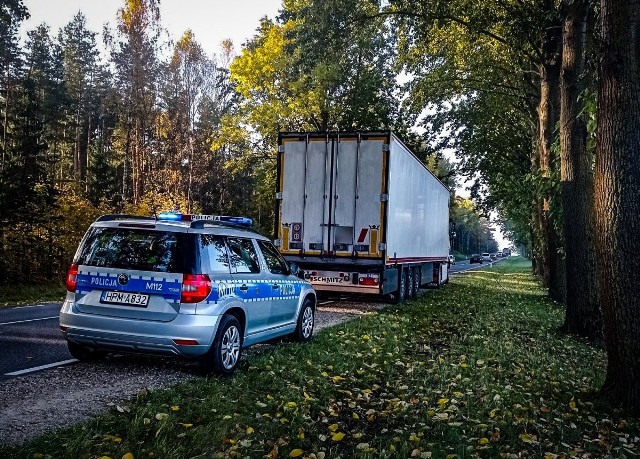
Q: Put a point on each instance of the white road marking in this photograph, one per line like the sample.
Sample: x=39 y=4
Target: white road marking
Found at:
x=41 y=367
x=325 y=302
x=28 y=320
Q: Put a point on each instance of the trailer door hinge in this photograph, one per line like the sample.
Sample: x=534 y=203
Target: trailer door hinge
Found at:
x=384 y=197
x=277 y=242
x=279 y=195
x=385 y=147
x=382 y=246
x=280 y=148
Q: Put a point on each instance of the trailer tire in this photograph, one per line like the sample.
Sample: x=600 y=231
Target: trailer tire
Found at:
x=401 y=294
x=415 y=286
x=411 y=282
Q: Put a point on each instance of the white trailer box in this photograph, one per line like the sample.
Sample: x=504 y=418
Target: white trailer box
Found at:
x=360 y=213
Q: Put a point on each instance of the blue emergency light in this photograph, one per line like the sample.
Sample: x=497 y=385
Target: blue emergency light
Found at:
x=175 y=217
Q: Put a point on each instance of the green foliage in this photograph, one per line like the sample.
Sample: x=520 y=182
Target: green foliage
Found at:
x=471 y=232
x=18 y=294
x=475 y=66
x=473 y=370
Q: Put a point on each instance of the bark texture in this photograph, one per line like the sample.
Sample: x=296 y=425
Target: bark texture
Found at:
x=583 y=315
x=548 y=114
x=617 y=197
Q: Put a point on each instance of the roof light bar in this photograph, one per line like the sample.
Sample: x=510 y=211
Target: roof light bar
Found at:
x=175 y=217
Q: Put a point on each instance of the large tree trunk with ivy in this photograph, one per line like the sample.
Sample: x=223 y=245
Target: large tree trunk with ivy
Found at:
x=617 y=206
x=548 y=113
x=576 y=180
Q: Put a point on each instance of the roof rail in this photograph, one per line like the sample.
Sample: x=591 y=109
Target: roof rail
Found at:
x=112 y=217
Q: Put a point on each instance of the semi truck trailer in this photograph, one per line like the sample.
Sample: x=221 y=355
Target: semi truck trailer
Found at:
x=358 y=212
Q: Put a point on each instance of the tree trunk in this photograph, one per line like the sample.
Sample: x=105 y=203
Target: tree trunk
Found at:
x=583 y=315
x=548 y=112
x=617 y=206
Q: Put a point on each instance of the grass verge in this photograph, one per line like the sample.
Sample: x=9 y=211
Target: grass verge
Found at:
x=16 y=295
x=476 y=369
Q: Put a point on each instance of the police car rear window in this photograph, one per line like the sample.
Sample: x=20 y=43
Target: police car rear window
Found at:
x=136 y=249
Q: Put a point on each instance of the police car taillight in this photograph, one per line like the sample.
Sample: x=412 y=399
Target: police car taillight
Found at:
x=72 y=277
x=195 y=288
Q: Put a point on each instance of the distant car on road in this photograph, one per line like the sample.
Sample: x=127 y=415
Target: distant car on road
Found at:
x=451 y=259
x=475 y=258
x=486 y=256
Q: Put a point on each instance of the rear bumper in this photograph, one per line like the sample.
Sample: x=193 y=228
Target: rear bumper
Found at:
x=143 y=336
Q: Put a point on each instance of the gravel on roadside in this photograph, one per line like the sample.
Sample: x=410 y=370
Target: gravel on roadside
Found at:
x=60 y=397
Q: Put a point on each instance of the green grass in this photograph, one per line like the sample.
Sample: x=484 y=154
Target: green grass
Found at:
x=476 y=369
x=15 y=295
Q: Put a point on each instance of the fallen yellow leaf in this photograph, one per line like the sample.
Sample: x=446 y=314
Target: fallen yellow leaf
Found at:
x=296 y=453
x=337 y=436
x=127 y=456
x=527 y=438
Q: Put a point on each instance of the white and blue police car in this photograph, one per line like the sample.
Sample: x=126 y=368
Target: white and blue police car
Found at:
x=195 y=286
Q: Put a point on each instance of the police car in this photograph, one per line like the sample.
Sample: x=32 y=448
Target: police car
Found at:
x=194 y=286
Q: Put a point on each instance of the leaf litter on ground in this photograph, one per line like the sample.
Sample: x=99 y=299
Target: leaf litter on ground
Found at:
x=476 y=369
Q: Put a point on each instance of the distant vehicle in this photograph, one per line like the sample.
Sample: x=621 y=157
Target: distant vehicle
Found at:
x=493 y=256
x=476 y=258
x=452 y=260
x=506 y=252
x=486 y=256
x=194 y=286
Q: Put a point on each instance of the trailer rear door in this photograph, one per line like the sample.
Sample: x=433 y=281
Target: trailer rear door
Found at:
x=332 y=195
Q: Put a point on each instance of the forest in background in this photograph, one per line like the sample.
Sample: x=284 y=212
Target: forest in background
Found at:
x=163 y=126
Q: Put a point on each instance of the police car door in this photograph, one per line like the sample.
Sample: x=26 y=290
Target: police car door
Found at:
x=250 y=284
x=286 y=287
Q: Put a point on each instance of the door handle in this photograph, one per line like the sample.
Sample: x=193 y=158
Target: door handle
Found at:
x=244 y=287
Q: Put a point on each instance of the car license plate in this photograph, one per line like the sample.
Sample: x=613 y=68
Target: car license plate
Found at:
x=130 y=299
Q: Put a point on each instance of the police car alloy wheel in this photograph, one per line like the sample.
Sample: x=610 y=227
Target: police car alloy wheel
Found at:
x=306 y=319
x=227 y=346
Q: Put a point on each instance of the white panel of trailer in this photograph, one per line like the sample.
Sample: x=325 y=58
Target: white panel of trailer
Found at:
x=358 y=178
x=418 y=208
x=305 y=185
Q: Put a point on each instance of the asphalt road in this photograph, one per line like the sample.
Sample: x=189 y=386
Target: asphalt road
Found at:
x=30 y=339
x=465 y=266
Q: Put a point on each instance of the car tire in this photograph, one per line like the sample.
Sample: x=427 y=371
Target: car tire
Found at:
x=226 y=350
x=83 y=353
x=306 y=321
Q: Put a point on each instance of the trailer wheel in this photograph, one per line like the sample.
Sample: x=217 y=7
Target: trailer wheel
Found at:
x=415 y=285
x=401 y=294
x=411 y=282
